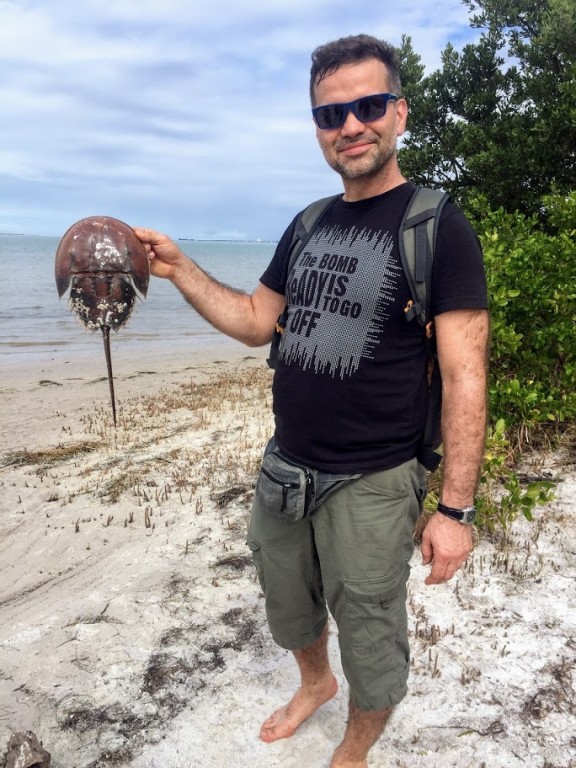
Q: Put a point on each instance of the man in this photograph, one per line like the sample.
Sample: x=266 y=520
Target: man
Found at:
x=350 y=398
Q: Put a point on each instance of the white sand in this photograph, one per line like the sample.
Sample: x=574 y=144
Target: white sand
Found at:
x=132 y=630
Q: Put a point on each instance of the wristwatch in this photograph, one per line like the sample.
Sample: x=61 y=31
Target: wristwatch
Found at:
x=464 y=516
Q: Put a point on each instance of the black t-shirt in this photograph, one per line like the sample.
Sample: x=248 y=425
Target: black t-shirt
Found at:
x=350 y=392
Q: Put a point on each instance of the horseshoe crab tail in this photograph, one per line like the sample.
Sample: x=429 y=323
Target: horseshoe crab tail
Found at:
x=106 y=337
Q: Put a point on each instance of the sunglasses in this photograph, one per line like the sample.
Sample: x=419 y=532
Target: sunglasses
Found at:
x=365 y=109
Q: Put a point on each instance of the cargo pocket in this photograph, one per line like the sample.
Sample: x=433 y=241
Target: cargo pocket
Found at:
x=375 y=611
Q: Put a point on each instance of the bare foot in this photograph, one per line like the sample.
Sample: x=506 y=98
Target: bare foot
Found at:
x=286 y=720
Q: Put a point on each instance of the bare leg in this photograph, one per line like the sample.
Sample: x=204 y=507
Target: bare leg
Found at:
x=362 y=732
x=318 y=685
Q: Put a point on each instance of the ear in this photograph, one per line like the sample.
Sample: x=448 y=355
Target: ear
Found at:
x=401 y=116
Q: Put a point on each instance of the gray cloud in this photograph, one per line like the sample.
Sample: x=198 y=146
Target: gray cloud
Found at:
x=192 y=118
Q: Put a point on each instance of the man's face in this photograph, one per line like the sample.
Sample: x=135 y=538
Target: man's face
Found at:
x=360 y=150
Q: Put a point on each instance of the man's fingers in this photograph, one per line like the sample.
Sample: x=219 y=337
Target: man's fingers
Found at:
x=426 y=550
x=439 y=574
x=445 y=544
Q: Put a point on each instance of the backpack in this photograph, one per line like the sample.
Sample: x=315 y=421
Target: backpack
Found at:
x=417 y=240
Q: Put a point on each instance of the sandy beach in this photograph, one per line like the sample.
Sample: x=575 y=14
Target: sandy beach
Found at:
x=132 y=629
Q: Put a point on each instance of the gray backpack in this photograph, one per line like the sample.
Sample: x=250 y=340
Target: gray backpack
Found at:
x=417 y=240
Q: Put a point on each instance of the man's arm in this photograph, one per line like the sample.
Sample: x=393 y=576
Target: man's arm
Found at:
x=248 y=318
x=462 y=343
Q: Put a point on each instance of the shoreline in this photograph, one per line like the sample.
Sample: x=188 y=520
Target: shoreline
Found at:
x=22 y=364
x=37 y=390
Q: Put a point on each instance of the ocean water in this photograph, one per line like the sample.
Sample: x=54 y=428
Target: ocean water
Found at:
x=36 y=324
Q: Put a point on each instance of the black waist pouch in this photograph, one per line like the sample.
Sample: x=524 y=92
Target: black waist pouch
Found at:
x=290 y=491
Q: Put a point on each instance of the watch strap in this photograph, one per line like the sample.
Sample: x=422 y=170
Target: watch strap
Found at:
x=464 y=515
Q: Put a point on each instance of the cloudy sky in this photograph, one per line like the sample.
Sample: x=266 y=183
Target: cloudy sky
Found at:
x=188 y=116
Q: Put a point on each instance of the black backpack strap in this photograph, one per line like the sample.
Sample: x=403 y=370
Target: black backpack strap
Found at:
x=303 y=230
x=417 y=241
x=427 y=454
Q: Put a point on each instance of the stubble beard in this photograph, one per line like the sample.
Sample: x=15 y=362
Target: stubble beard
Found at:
x=352 y=169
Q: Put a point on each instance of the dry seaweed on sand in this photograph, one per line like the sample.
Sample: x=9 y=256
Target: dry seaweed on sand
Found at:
x=48 y=456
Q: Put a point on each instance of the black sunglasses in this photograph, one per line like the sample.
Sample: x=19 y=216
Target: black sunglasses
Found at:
x=365 y=109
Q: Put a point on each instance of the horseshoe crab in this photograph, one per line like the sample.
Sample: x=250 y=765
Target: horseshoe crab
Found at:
x=104 y=264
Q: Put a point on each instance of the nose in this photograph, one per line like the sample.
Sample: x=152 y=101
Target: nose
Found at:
x=352 y=126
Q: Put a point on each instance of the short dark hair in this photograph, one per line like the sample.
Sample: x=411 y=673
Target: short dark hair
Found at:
x=327 y=58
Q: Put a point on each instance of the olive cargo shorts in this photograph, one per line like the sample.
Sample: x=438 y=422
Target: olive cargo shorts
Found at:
x=353 y=555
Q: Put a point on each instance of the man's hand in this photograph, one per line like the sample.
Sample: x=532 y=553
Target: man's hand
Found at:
x=163 y=253
x=446 y=544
